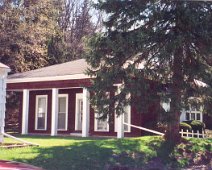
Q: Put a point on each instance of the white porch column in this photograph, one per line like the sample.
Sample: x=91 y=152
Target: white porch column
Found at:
x=3 y=76
x=2 y=107
x=25 y=112
x=120 y=120
x=86 y=113
x=54 y=112
x=120 y=126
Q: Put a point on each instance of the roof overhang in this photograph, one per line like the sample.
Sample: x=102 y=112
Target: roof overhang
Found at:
x=52 y=78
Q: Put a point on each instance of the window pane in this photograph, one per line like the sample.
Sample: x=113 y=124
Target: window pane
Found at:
x=102 y=125
x=62 y=104
x=41 y=122
x=61 y=121
x=192 y=116
x=62 y=113
x=198 y=116
x=41 y=113
x=80 y=110
x=187 y=116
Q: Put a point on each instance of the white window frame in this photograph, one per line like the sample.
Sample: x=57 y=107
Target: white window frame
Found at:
x=78 y=97
x=96 y=115
x=190 y=111
x=36 y=112
x=66 y=122
x=129 y=119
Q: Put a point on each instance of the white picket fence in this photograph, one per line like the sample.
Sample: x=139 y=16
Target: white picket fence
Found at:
x=192 y=134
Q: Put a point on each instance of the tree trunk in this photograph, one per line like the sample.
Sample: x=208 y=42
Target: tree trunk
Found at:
x=172 y=133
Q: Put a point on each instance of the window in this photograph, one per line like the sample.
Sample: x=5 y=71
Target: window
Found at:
x=62 y=111
x=78 y=111
x=127 y=119
x=187 y=116
x=198 y=116
x=41 y=112
x=195 y=113
x=101 y=125
x=192 y=116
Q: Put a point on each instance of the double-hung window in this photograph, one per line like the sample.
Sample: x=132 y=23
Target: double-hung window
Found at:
x=101 y=125
x=127 y=119
x=62 y=111
x=195 y=113
x=78 y=111
x=41 y=112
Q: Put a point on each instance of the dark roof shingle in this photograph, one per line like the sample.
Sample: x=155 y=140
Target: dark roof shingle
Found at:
x=68 y=68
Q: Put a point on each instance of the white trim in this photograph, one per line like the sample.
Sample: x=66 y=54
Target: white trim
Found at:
x=66 y=122
x=184 y=112
x=95 y=123
x=25 y=112
x=145 y=129
x=129 y=120
x=54 y=111
x=86 y=113
x=50 y=78
x=36 y=112
x=127 y=110
x=78 y=97
x=44 y=89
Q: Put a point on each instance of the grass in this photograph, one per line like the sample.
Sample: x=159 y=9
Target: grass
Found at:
x=96 y=154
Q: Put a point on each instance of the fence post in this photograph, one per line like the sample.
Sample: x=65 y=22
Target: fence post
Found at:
x=198 y=134
x=187 y=133
x=192 y=133
x=181 y=132
x=203 y=134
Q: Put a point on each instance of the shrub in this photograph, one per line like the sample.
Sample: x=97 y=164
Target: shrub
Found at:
x=185 y=126
x=197 y=126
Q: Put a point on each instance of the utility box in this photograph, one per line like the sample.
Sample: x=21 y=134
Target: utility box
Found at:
x=3 y=77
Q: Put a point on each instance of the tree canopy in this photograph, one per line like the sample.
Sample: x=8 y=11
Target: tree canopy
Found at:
x=43 y=32
x=168 y=42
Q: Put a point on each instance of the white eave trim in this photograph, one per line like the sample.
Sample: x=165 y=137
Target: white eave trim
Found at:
x=52 y=78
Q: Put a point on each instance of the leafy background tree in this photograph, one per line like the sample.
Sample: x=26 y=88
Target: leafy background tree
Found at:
x=78 y=20
x=168 y=42
x=38 y=33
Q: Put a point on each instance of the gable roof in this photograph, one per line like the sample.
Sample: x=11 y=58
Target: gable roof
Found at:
x=69 y=70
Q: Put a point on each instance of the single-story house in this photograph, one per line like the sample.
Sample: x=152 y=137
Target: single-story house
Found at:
x=55 y=100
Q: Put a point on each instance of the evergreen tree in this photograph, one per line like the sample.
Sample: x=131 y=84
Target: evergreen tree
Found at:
x=168 y=42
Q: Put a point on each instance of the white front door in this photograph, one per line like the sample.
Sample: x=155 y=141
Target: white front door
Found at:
x=78 y=111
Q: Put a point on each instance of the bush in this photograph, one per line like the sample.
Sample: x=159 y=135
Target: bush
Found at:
x=197 y=126
x=185 y=126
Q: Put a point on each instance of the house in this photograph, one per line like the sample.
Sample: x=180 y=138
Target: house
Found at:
x=55 y=100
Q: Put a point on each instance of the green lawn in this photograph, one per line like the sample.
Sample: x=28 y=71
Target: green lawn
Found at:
x=92 y=153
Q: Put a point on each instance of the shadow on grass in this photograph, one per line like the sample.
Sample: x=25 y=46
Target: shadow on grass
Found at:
x=99 y=154
x=85 y=155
